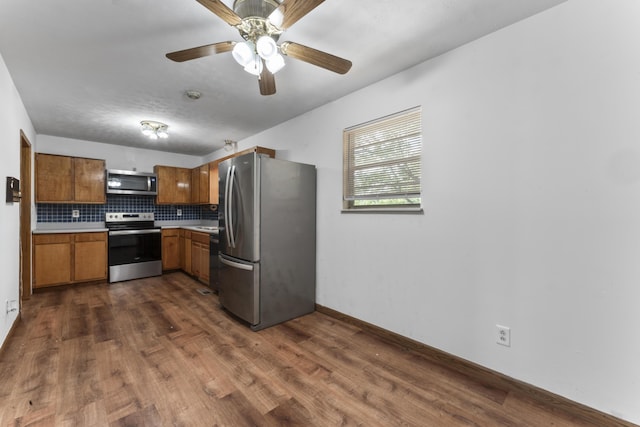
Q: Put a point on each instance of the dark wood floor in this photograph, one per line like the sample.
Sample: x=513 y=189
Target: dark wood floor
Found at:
x=155 y=352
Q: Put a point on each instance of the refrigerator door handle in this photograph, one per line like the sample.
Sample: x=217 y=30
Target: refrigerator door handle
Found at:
x=232 y=232
x=241 y=266
x=226 y=206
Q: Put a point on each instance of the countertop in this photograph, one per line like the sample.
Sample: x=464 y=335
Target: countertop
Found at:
x=199 y=228
x=93 y=227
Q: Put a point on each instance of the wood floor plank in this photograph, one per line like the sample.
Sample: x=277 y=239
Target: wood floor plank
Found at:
x=156 y=352
x=122 y=395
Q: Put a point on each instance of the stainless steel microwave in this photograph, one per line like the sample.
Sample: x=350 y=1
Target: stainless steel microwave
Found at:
x=131 y=182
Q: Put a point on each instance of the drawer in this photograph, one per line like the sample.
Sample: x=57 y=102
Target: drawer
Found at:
x=170 y=232
x=46 y=239
x=90 y=237
x=200 y=237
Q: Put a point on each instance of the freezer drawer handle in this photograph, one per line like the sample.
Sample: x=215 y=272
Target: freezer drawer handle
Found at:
x=234 y=264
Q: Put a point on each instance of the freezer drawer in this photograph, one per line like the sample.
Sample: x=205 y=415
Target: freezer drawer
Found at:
x=240 y=288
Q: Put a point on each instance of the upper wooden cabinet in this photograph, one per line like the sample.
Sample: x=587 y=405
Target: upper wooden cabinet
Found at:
x=63 y=179
x=213 y=170
x=200 y=185
x=174 y=185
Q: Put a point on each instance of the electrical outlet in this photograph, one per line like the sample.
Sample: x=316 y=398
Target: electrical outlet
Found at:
x=503 y=335
x=179 y=212
x=12 y=306
x=75 y=213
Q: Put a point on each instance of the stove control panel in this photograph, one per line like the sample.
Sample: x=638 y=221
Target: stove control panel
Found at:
x=123 y=217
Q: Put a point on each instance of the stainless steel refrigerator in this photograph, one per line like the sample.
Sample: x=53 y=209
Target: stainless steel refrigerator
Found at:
x=267 y=226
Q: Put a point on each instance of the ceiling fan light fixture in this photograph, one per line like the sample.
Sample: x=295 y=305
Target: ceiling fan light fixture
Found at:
x=275 y=63
x=266 y=47
x=243 y=53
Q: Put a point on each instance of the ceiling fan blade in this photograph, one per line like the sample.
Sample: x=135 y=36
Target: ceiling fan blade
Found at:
x=267 y=81
x=293 y=10
x=222 y=10
x=316 y=57
x=199 y=52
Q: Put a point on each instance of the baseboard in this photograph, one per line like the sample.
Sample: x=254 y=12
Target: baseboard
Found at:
x=10 y=334
x=485 y=375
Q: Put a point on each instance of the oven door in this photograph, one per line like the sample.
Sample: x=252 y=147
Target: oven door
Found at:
x=134 y=254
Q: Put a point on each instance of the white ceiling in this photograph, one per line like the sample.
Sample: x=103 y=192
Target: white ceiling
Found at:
x=93 y=69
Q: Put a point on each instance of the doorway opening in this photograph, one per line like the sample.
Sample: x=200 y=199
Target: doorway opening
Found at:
x=25 y=218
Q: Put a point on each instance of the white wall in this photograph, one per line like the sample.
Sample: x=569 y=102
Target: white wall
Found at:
x=116 y=156
x=13 y=118
x=531 y=194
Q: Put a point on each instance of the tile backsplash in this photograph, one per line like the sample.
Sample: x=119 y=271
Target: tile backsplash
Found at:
x=55 y=212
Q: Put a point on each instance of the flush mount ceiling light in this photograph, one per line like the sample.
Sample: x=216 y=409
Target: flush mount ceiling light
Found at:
x=193 y=94
x=154 y=130
x=261 y=23
x=230 y=144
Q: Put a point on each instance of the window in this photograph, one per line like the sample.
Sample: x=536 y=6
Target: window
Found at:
x=382 y=163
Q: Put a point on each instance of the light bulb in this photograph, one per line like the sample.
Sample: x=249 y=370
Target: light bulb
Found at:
x=243 y=53
x=276 y=17
x=275 y=64
x=266 y=47
x=163 y=134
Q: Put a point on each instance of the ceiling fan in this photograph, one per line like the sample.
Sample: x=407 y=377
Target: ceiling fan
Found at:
x=261 y=23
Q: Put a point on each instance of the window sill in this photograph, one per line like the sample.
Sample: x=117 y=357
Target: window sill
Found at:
x=384 y=211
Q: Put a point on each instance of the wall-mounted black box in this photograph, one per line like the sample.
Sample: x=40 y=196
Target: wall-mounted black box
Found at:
x=13 y=190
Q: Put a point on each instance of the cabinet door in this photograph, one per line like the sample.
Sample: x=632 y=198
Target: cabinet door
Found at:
x=214 y=196
x=90 y=257
x=195 y=185
x=89 y=177
x=170 y=249
x=200 y=256
x=204 y=264
x=174 y=185
x=183 y=185
x=53 y=178
x=195 y=259
x=203 y=177
x=51 y=260
x=187 y=267
x=166 y=184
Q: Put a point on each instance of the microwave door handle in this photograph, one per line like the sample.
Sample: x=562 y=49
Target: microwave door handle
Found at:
x=148 y=183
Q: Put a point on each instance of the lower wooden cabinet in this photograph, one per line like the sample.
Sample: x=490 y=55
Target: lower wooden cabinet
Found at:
x=171 y=249
x=52 y=259
x=185 y=253
x=65 y=258
x=200 y=256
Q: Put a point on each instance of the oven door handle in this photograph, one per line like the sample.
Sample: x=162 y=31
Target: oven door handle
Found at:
x=128 y=232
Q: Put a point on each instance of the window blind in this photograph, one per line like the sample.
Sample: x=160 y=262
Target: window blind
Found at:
x=382 y=161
